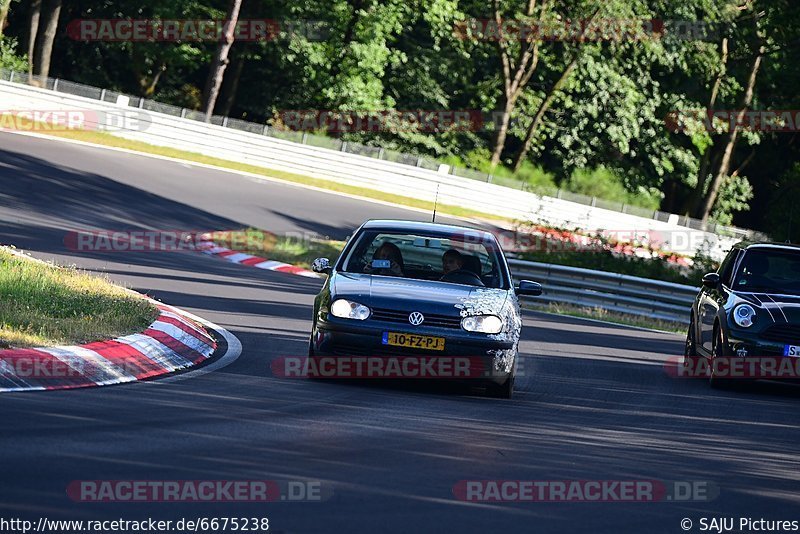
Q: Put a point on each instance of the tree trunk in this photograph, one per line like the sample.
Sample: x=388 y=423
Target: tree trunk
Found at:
x=502 y=132
x=231 y=86
x=33 y=32
x=5 y=5
x=696 y=198
x=537 y=119
x=515 y=75
x=44 y=45
x=217 y=73
x=731 y=138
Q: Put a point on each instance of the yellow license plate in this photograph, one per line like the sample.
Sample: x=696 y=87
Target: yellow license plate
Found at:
x=415 y=341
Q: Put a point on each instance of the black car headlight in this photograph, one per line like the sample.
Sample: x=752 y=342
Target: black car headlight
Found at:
x=744 y=315
x=486 y=324
x=347 y=309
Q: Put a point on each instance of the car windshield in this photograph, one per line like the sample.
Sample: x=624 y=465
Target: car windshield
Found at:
x=455 y=258
x=769 y=271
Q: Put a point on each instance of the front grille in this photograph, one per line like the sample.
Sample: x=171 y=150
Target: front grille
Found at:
x=431 y=319
x=783 y=333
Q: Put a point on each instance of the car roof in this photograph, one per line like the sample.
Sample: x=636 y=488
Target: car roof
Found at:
x=417 y=226
x=768 y=245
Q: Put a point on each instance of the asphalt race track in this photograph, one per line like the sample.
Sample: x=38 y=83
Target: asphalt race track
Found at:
x=594 y=403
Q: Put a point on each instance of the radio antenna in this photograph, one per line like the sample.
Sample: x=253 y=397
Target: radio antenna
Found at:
x=435 y=203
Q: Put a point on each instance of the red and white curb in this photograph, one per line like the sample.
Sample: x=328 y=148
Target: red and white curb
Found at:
x=211 y=248
x=172 y=342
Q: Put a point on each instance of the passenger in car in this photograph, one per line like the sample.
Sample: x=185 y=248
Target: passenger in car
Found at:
x=452 y=261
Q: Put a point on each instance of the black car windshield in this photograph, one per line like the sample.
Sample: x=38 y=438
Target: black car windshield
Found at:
x=769 y=271
x=459 y=258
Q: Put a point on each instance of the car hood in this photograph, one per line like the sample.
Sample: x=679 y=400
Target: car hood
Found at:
x=404 y=294
x=782 y=308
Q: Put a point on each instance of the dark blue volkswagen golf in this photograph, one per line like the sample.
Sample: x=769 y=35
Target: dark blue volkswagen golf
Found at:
x=404 y=288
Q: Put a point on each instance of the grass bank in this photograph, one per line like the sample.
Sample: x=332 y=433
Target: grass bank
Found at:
x=44 y=305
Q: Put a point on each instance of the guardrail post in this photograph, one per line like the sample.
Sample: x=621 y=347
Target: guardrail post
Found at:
x=183 y=113
x=103 y=95
x=141 y=103
x=305 y=138
x=11 y=78
x=419 y=162
x=489 y=178
x=594 y=201
x=344 y=146
x=55 y=84
x=225 y=122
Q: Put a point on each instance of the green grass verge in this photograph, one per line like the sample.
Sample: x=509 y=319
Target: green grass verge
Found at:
x=586 y=312
x=44 y=305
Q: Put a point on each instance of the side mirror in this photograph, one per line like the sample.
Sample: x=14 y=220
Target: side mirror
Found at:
x=711 y=280
x=527 y=287
x=321 y=265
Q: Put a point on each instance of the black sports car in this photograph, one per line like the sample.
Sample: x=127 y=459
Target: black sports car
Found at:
x=748 y=311
x=406 y=288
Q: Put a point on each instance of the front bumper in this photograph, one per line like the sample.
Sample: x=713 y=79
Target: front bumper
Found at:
x=479 y=357
x=754 y=357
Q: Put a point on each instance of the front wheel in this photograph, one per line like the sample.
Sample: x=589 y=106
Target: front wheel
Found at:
x=504 y=390
x=717 y=353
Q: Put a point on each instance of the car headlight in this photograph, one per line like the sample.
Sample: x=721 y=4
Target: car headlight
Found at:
x=347 y=309
x=486 y=324
x=744 y=315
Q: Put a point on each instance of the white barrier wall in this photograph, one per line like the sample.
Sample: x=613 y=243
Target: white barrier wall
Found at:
x=395 y=178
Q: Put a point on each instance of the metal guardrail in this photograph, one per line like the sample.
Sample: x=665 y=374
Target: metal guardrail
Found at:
x=609 y=291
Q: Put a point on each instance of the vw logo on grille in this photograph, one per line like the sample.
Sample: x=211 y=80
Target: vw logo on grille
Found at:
x=416 y=318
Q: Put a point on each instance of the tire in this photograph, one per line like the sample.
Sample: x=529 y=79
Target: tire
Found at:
x=690 y=355
x=504 y=390
x=717 y=351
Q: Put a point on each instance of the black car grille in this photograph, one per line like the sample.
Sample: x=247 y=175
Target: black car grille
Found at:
x=783 y=333
x=431 y=319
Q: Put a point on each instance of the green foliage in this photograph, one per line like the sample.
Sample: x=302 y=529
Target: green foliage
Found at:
x=9 y=59
x=605 y=184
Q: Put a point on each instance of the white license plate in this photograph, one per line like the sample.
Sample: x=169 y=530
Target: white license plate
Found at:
x=792 y=350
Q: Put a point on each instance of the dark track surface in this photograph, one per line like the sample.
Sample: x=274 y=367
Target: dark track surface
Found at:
x=595 y=402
